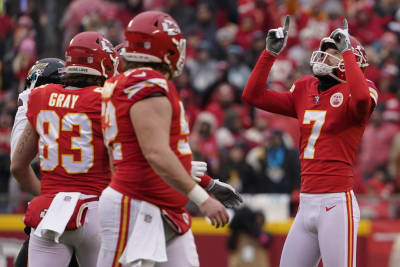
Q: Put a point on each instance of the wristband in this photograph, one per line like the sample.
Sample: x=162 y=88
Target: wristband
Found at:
x=198 y=195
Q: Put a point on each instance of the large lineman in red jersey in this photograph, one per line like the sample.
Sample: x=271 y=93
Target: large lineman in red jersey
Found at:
x=332 y=108
x=70 y=143
x=119 y=94
x=134 y=183
x=142 y=213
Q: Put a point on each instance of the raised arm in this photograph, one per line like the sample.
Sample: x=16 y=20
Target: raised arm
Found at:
x=360 y=102
x=255 y=92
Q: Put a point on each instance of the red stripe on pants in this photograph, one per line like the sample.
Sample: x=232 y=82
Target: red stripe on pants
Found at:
x=123 y=230
x=350 y=229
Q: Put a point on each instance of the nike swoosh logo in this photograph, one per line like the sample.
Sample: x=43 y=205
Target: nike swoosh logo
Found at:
x=328 y=209
x=143 y=74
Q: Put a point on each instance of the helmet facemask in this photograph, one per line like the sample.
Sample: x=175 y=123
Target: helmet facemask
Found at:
x=319 y=65
x=336 y=70
x=180 y=63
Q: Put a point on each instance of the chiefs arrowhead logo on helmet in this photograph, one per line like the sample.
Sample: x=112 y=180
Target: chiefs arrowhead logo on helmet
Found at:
x=107 y=46
x=155 y=37
x=170 y=27
x=91 y=54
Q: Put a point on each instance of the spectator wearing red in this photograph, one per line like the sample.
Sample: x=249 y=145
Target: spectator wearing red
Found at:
x=394 y=162
x=224 y=100
x=247 y=27
x=78 y=9
x=231 y=132
x=376 y=142
x=366 y=26
x=191 y=109
x=378 y=189
x=254 y=135
x=203 y=141
x=392 y=112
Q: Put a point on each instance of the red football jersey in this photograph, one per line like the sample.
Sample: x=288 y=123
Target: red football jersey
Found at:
x=72 y=154
x=133 y=175
x=329 y=135
x=330 y=128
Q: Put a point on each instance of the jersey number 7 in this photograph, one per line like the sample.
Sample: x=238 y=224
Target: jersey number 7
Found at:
x=318 y=116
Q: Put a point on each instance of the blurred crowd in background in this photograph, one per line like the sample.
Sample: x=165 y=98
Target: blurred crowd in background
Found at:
x=254 y=151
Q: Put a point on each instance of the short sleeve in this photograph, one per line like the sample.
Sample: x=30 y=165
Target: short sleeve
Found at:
x=141 y=84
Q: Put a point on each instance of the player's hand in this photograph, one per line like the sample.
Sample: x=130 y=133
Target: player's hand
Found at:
x=277 y=38
x=342 y=37
x=215 y=211
x=225 y=193
x=199 y=168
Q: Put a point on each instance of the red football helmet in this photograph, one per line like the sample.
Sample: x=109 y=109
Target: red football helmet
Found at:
x=92 y=54
x=154 y=36
x=337 y=71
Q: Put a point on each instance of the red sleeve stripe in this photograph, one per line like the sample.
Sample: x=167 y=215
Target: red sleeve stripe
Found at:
x=134 y=89
x=374 y=94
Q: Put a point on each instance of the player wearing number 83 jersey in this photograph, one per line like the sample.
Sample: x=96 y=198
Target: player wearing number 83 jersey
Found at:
x=64 y=129
x=70 y=144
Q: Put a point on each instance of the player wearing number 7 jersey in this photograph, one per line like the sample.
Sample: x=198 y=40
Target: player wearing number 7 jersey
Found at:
x=64 y=129
x=332 y=108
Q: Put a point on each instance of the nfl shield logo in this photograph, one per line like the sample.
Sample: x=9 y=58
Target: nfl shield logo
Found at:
x=316 y=99
x=148 y=218
x=147 y=45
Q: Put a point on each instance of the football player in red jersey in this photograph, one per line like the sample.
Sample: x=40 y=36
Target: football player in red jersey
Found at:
x=142 y=212
x=44 y=71
x=332 y=108
x=64 y=129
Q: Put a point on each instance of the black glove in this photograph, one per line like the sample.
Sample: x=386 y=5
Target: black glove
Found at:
x=342 y=37
x=277 y=38
x=225 y=193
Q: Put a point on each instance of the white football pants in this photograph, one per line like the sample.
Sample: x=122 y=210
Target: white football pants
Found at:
x=117 y=219
x=325 y=227
x=85 y=241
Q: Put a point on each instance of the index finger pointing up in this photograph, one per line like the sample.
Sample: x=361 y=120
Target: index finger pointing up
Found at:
x=345 y=24
x=286 y=24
